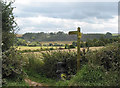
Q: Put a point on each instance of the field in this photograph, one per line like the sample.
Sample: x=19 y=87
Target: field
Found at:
x=39 y=47
x=114 y=34
x=58 y=42
x=36 y=48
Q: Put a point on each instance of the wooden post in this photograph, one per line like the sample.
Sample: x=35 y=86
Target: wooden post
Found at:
x=78 y=49
x=79 y=34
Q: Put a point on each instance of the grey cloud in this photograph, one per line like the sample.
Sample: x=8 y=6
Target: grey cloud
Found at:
x=79 y=10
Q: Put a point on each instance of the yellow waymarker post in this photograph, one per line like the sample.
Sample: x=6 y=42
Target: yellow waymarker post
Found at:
x=79 y=35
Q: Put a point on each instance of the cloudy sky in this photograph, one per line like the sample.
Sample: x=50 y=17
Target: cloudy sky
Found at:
x=92 y=17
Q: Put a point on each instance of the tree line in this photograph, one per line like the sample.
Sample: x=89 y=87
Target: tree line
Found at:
x=61 y=36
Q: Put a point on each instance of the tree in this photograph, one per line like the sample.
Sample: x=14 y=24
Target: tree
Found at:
x=12 y=65
x=9 y=26
x=21 y=42
x=74 y=43
x=108 y=35
x=60 y=33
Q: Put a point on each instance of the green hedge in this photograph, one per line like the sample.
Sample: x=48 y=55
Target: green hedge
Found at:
x=50 y=60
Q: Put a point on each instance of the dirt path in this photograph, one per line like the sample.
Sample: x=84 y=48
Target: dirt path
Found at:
x=35 y=84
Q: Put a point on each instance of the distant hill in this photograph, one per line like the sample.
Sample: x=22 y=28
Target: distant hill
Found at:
x=60 y=36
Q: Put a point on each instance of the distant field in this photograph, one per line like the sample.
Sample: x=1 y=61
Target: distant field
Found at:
x=19 y=35
x=58 y=42
x=35 y=48
x=66 y=50
x=115 y=34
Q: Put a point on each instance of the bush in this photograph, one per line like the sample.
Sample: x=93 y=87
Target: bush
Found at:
x=50 y=60
x=71 y=46
x=51 y=48
x=107 y=57
x=66 y=46
x=102 y=69
x=12 y=65
x=95 y=75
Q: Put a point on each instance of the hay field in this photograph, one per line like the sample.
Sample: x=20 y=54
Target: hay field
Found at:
x=36 y=47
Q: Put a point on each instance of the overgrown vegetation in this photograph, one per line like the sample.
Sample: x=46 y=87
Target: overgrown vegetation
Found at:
x=9 y=26
x=12 y=65
x=11 y=59
x=102 y=69
x=98 y=68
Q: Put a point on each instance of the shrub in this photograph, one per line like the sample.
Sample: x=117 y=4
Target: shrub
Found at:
x=12 y=65
x=71 y=46
x=107 y=57
x=51 y=59
x=66 y=46
x=51 y=48
x=95 y=75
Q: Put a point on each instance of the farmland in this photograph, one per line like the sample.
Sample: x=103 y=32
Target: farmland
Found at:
x=56 y=48
x=36 y=48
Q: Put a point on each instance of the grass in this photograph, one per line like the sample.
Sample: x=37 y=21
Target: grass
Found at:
x=36 y=77
x=12 y=82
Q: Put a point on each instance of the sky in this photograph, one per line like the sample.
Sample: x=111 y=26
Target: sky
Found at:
x=53 y=16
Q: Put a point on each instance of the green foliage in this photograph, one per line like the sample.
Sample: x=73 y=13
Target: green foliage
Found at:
x=9 y=26
x=11 y=60
x=21 y=42
x=60 y=36
x=34 y=44
x=12 y=65
x=107 y=57
x=35 y=50
x=51 y=48
x=17 y=84
x=34 y=76
x=92 y=75
x=66 y=46
x=102 y=68
x=100 y=42
x=50 y=60
x=34 y=63
x=71 y=46
x=74 y=43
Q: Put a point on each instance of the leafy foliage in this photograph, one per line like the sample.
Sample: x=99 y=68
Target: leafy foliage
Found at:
x=61 y=36
x=91 y=75
x=12 y=65
x=9 y=26
x=11 y=59
x=98 y=71
x=107 y=57
x=50 y=60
